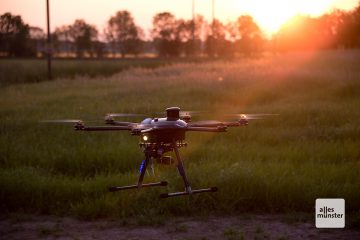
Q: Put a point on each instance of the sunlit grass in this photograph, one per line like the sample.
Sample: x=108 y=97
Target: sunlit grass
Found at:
x=17 y=71
x=284 y=163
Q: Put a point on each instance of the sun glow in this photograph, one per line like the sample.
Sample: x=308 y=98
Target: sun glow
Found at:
x=270 y=15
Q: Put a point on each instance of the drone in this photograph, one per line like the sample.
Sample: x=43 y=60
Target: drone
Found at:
x=159 y=136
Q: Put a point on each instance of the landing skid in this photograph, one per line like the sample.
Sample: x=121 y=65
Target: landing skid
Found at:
x=176 y=194
x=181 y=170
x=114 y=189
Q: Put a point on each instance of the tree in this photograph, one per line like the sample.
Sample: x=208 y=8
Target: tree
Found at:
x=80 y=35
x=331 y=27
x=185 y=29
x=14 y=36
x=356 y=14
x=165 y=34
x=251 y=36
x=350 y=31
x=38 y=40
x=99 y=49
x=62 y=42
x=216 y=39
x=231 y=39
x=83 y=34
x=184 y=32
x=303 y=33
x=123 y=33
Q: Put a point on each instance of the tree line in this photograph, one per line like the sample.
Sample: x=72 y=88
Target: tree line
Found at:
x=172 y=37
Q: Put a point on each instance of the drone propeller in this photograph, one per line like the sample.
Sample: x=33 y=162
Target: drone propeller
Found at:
x=253 y=116
x=62 y=121
x=186 y=113
x=191 y=113
x=111 y=115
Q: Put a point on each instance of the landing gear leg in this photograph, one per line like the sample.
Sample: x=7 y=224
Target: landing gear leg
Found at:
x=141 y=178
x=181 y=169
x=188 y=190
x=143 y=170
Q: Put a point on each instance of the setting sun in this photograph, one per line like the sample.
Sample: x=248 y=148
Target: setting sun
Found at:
x=270 y=15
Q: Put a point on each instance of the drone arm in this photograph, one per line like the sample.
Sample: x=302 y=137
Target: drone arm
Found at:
x=117 y=123
x=102 y=128
x=212 y=125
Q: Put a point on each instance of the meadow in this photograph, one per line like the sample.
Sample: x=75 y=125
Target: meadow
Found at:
x=279 y=164
x=17 y=71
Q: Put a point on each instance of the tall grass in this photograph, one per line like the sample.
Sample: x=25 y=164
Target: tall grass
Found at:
x=17 y=71
x=311 y=150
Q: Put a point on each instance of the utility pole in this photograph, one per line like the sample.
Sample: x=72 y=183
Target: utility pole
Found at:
x=49 y=49
x=213 y=16
x=193 y=26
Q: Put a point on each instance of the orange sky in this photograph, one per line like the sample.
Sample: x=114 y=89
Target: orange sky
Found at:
x=269 y=14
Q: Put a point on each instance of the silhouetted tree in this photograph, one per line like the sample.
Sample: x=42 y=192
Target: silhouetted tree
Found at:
x=80 y=35
x=14 y=36
x=232 y=36
x=38 y=40
x=304 y=33
x=215 y=40
x=83 y=34
x=190 y=46
x=184 y=32
x=123 y=34
x=174 y=37
x=62 y=41
x=99 y=48
x=356 y=14
x=350 y=31
x=165 y=33
x=251 y=36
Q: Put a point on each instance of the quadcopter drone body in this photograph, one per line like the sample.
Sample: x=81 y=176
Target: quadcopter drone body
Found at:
x=159 y=136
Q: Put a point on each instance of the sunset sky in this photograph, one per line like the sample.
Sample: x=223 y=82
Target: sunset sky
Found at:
x=268 y=14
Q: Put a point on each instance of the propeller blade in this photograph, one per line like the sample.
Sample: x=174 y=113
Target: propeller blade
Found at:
x=191 y=113
x=124 y=115
x=186 y=113
x=62 y=121
x=254 y=116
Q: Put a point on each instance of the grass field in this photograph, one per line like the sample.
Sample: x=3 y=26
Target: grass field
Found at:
x=282 y=164
x=17 y=71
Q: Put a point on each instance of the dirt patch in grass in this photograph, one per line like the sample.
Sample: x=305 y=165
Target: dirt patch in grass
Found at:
x=249 y=226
